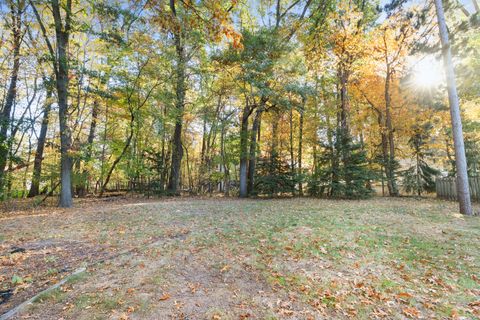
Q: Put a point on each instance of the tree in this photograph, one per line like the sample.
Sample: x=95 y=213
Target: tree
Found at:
x=16 y=12
x=463 y=190
x=420 y=177
x=37 y=163
x=60 y=60
x=160 y=95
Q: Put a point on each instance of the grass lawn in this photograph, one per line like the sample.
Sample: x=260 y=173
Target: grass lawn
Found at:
x=192 y=258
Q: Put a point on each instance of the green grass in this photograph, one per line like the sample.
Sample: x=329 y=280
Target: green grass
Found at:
x=53 y=296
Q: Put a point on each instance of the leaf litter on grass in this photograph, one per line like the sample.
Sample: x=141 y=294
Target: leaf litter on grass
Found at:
x=268 y=259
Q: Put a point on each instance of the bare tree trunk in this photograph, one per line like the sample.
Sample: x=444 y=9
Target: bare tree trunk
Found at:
x=460 y=158
x=37 y=163
x=16 y=25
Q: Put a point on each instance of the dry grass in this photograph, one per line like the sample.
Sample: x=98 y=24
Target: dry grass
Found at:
x=192 y=258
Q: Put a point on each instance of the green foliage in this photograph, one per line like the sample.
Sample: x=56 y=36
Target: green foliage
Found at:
x=17 y=280
x=420 y=177
x=274 y=176
x=472 y=148
x=342 y=171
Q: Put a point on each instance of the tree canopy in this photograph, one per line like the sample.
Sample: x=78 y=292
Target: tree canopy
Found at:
x=328 y=98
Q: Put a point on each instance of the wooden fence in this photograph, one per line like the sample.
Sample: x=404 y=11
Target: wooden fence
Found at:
x=447 y=188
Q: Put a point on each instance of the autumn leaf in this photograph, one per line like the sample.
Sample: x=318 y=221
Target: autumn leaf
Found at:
x=474 y=304
x=164 y=297
x=404 y=295
x=225 y=268
x=411 y=312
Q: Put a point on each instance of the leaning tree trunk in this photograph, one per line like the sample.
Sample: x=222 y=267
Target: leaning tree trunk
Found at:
x=12 y=89
x=460 y=158
x=122 y=154
x=37 y=163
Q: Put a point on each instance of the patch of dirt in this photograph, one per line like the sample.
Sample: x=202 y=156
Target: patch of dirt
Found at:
x=31 y=267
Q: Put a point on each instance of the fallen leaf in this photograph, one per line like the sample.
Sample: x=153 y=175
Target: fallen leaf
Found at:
x=165 y=296
x=404 y=295
x=411 y=312
x=225 y=268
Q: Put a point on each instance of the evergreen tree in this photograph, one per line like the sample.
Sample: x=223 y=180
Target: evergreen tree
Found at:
x=273 y=176
x=343 y=170
x=420 y=177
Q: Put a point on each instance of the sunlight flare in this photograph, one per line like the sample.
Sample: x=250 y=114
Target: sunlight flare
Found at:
x=427 y=73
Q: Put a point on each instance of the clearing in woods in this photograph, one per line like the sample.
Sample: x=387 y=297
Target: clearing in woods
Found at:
x=191 y=258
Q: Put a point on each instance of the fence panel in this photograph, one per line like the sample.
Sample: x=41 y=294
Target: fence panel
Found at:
x=446 y=188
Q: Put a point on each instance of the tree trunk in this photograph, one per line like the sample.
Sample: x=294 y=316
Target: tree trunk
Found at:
x=300 y=147
x=226 y=171
x=253 y=150
x=385 y=156
x=292 y=156
x=62 y=36
x=37 y=163
x=460 y=158
x=344 y=103
x=244 y=151
x=344 y=135
x=124 y=150
x=390 y=165
x=16 y=25
x=81 y=188
x=163 y=172
x=202 y=169
x=177 y=148
x=419 y=189
x=274 y=145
